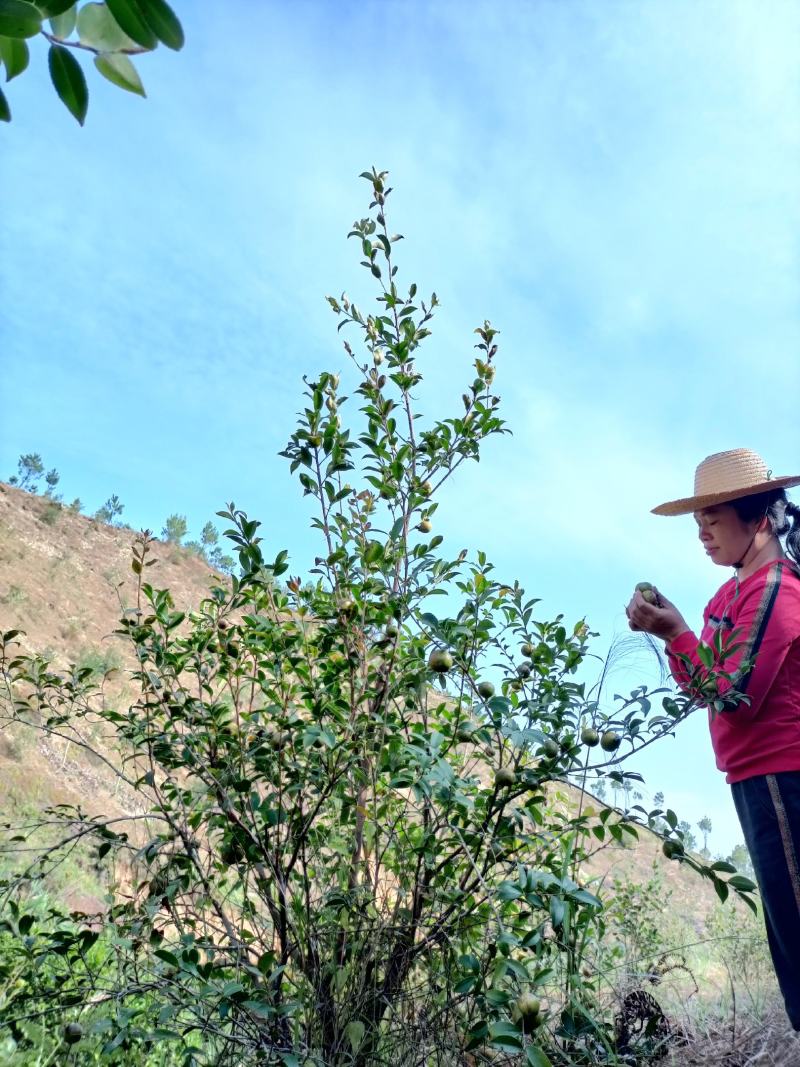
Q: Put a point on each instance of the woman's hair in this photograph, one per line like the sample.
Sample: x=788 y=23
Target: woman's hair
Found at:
x=782 y=515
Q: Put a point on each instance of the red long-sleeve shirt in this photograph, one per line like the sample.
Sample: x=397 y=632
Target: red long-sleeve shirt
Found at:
x=762 y=737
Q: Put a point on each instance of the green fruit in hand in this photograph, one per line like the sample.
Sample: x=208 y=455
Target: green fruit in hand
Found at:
x=73 y=1032
x=672 y=849
x=551 y=748
x=440 y=661
x=504 y=778
x=610 y=741
x=486 y=690
x=527 y=649
x=590 y=737
x=648 y=592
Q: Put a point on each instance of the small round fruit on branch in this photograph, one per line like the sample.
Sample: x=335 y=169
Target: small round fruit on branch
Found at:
x=440 y=661
x=73 y=1032
x=551 y=748
x=504 y=778
x=590 y=737
x=672 y=849
x=610 y=741
x=527 y=649
x=486 y=690
x=526 y=1010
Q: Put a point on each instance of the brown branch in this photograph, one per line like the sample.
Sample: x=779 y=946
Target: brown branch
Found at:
x=51 y=37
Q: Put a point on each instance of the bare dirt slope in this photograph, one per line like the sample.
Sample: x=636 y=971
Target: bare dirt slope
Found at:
x=63 y=581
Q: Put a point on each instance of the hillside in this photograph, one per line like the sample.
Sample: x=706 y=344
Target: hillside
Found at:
x=63 y=577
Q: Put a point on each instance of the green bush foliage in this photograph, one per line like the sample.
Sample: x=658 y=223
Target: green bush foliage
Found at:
x=110 y=32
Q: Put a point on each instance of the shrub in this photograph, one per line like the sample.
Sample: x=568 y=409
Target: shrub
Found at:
x=110 y=511
x=30 y=469
x=175 y=529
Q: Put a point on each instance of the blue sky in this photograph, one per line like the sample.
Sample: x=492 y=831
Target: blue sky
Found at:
x=612 y=184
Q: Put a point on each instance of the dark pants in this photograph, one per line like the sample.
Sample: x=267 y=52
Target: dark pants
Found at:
x=768 y=807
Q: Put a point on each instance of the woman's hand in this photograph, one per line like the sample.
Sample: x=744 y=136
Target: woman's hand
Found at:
x=661 y=619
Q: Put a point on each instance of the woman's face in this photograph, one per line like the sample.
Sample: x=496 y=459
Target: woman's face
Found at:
x=723 y=535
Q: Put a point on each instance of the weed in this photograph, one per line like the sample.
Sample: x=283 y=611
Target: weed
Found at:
x=14 y=595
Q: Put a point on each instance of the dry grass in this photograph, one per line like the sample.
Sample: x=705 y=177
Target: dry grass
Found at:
x=741 y=1042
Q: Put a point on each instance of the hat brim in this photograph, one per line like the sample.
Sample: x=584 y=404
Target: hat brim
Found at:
x=688 y=504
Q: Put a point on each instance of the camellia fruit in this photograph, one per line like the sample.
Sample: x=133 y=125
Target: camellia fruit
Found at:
x=524 y=670
x=440 y=661
x=672 y=849
x=610 y=741
x=486 y=690
x=528 y=1005
x=590 y=737
x=465 y=731
x=73 y=1032
x=504 y=778
x=425 y=526
x=527 y=649
x=648 y=592
x=551 y=748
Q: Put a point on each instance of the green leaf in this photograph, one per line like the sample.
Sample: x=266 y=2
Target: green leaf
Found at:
x=130 y=18
x=505 y=1036
x=706 y=655
x=536 y=1057
x=557 y=911
x=5 y=111
x=69 y=81
x=723 y=865
x=740 y=882
x=167 y=957
x=63 y=25
x=355 y=1034
x=164 y=23
x=18 y=19
x=53 y=8
x=120 y=71
x=98 y=29
x=14 y=54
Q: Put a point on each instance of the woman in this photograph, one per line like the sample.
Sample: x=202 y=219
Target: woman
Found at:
x=742 y=513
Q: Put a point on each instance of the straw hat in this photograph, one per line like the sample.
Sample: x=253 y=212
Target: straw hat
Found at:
x=726 y=476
